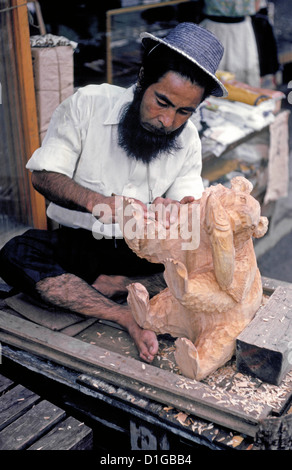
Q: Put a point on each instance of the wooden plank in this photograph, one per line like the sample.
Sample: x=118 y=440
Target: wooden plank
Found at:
x=111 y=339
x=14 y=403
x=99 y=394
x=70 y=434
x=77 y=328
x=264 y=348
x=5 y=384
x=13 y=170
x=270 y=285
x=50 y=317
x=31 y=426
x=112 y=406
x=28 y=102
x=223 y=408
x=275 y=434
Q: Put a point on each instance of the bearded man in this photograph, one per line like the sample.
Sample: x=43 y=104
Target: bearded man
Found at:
x=105 y=143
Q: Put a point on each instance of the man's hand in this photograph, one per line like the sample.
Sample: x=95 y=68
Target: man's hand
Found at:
x=167 y=210
x=106 y=211
x=187 y=200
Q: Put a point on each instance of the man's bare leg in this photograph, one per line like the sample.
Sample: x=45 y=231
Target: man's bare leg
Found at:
x=71 y=292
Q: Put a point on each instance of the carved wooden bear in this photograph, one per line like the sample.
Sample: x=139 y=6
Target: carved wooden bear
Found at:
x=214 y=289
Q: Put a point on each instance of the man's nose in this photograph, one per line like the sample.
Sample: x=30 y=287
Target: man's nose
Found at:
x=166 y=118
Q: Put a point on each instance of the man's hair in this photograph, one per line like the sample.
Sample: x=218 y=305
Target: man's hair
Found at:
x=162 y=59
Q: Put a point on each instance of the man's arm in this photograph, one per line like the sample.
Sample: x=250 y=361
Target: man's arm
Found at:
x=64 y=191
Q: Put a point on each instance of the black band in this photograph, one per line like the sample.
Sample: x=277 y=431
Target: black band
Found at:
x=226 y=19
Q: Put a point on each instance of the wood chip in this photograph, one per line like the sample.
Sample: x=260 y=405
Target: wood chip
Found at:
x=168 y=408
x=235 y=441
x=181 y=417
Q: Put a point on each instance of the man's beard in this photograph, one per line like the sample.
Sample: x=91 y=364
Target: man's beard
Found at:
x=139 y=143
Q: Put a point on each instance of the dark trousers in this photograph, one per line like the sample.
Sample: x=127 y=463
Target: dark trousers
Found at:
x=38 y=254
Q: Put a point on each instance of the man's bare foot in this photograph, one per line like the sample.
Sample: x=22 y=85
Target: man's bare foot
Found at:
x=145 y=340
x=111 y=286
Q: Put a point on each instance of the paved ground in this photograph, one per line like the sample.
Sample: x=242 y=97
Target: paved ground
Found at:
x=277 y=262
x=274 y=251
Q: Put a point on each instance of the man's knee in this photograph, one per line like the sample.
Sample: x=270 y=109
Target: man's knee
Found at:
x=13 y=252
x=26 y=259
x=8 y=261
x=8 y=253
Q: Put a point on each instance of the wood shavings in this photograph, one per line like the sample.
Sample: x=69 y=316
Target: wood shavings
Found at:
x=253 y=393
x=235 y=441
x=182 y=417
x=168 y=408
x=200 y=427
x=184 y=385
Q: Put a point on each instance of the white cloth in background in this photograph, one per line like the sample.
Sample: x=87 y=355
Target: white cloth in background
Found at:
x=240 y=49
x=278 y=169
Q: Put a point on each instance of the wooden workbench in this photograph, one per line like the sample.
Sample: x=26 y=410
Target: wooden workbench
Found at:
x=28 y=422
x=92 y=368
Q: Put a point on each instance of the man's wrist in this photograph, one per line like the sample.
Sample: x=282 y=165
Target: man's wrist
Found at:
x=93 y=200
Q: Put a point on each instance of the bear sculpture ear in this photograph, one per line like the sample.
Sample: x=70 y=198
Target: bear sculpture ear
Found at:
x=241 y=184
x=221 y=237
x=261 y=229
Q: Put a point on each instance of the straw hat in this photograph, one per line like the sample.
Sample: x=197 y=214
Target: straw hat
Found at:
x=196 y=44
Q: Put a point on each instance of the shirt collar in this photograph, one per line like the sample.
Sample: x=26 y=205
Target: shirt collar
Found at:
x=126 y=97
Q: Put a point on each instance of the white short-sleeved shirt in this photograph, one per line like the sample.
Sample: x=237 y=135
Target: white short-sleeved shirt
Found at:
x=82 y=143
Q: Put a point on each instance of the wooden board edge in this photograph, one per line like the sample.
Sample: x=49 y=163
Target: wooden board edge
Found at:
x=192 y=396
x=270 y=285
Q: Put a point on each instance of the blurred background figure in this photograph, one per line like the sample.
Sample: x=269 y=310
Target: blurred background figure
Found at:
x=230 y=21
x=262 y=23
